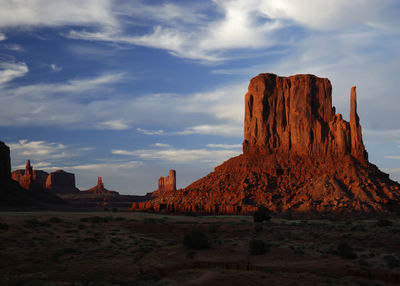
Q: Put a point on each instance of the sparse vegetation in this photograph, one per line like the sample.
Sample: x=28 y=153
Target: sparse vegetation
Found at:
x=4 y=226
x=55 y=219
x=345 y=251
x=96 y=219
x=258 y=228
x=137 y=243
x=261 y=215
x=384 y=222
x=258 y=247
x=196 y=239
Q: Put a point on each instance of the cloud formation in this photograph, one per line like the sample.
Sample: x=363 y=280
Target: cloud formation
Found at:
x=210 y=157
x=12 y=70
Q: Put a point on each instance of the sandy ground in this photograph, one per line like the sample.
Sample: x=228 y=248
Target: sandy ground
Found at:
x=126 y=248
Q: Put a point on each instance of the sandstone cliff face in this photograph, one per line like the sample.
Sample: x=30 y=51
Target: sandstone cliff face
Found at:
x=295 y=115
x=167 y=183
x=5 y=165
x=99 y=188
x=299 y=156
x=61 y=182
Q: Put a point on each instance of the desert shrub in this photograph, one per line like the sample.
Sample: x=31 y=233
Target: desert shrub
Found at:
x=258 y=228
x=346 y=251
x=262 y=214
x=384 y=222
x=96 y=219
x=196 y=239
x=65 y=251
x=258 y=247
x=55 y=219
x=4 y=226
x=391 y=261
x=32 y=223
x=193 y=214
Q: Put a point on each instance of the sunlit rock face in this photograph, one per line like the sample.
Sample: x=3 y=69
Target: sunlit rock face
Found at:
x=61 y=182
x=299 y=157
x=295 y=115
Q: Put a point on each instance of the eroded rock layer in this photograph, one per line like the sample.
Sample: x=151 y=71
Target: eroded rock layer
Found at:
x=299 y=156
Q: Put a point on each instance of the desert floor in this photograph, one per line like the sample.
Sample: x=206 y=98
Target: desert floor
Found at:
x=127 y=248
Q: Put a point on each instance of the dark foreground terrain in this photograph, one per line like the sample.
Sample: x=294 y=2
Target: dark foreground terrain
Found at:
x=106 y=248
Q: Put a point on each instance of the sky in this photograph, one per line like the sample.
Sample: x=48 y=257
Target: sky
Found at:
x=127 y=90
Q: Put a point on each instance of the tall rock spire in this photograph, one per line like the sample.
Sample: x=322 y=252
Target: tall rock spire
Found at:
x=357 y=146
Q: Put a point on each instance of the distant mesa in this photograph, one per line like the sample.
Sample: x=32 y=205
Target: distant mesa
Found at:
x=59 y=182
x=299 y=157
x=26 y=192
x=99 y=188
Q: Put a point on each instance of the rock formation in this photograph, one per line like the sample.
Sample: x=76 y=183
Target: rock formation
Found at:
x=5 y=164
x=167 y=183
x=61 y=182
x=99 y=188
x=299 y=156
x=25 y=193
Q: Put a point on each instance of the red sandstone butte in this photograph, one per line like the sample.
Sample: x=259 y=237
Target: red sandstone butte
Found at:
x=299 y=156
x=99 y=188
x=61 y=182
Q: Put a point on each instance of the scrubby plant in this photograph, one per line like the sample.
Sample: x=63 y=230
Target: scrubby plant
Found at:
x=196 y=239
x=4 y=226
x=55 y=219
x=33 y=222
x=391 y=261
x=96 y=219
x=262 y=214
x=384 y=222
x=346 y=251
x=258 y=228
x=258 y=247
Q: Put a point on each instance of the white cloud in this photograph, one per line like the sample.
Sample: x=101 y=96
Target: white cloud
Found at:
x=12 y=70
x=105 y=167
x=161 y=145
x=225 y=146
x=55 y=68
x=2 y=37
x=114 y=125
x=38 y=151
x=71 y=86
x=13 y=47
x=20 y=13
x=150 y=132
x=392 y=157
x=204 y=156
x=187 y=31
x=217 y=129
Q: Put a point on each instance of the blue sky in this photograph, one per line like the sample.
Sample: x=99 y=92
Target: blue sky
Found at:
x=127 y=90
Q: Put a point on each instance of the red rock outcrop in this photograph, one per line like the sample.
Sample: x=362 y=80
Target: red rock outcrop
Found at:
x=299 y=156
x=167 y=183
x=61 y=182
x=99 y=188
x=38 y=176
x=5 y=164
x=27 y=192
